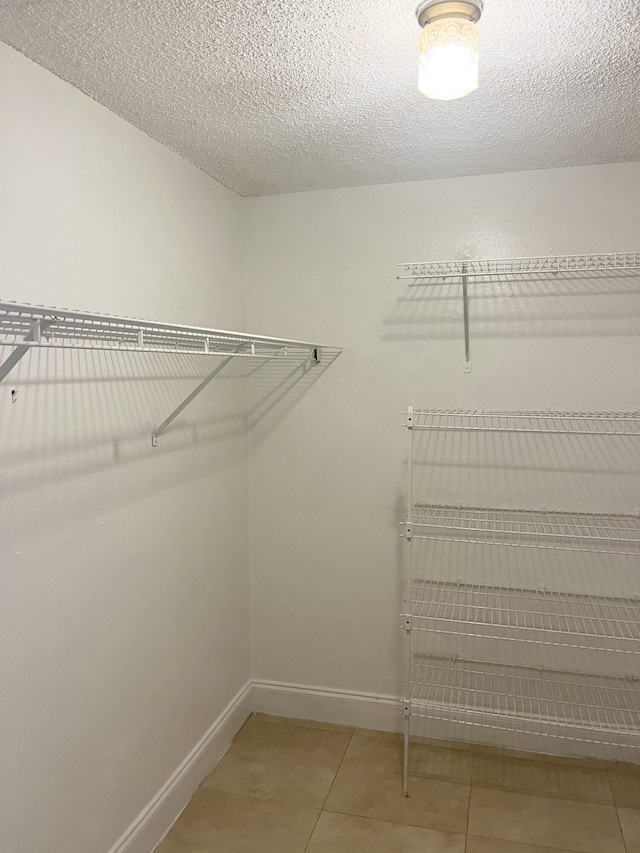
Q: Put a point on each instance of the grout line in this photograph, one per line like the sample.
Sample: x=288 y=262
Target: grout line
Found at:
x=408 y=825
x=615 y=805
x=545 y=795
x=397 y=822
x=519 y=843
x=473 y=764
x=312 y=831
x=294 y=722
x=328 y=792
x=338 y=770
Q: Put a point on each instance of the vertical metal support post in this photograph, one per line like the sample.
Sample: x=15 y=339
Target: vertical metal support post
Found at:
x=34 y=335
x=407 y=601
x=405 y=762
x=465 y=309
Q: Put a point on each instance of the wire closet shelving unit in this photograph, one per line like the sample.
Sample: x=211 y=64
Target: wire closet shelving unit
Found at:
x=27 y=327
x=577 y=706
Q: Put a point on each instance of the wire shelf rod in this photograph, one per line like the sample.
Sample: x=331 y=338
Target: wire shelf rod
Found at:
x=131 y=348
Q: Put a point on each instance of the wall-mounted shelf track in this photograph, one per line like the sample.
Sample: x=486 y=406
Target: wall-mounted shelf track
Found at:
x=425 y=273
x=577 y=705
x=547 y=617
x=26 y=327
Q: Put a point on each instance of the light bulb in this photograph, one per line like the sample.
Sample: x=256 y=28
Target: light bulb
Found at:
x=448 y=64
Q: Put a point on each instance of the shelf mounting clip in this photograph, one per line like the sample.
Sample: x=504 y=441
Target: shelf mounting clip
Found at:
x=34 y=335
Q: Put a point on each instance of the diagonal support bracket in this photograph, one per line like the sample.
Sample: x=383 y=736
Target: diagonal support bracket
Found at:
x=34 y=336
x=155 y=435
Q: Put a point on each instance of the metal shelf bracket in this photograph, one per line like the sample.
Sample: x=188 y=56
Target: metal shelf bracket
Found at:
x=316 y=355
x=155 y=435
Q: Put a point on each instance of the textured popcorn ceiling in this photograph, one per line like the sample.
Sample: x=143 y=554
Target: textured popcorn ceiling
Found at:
x=275 y=96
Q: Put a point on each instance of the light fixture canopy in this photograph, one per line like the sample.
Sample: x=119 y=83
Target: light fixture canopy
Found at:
x=448 y=66
x=432 y=10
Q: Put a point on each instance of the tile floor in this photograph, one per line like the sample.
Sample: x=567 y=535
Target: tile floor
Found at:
x=292 y=786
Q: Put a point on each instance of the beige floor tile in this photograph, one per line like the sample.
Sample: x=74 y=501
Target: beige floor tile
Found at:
x=378 y=735
x=382 y=757
x=398 y=737
x=285 y=763
x=369 y=784
x=491 y=845
x=228 y=823
x=458 y=745
x=546 y=821
x=305 y=724
x=630 y=823
x=433 y=803
x=626 y=789
x=174 y=844
x=435 y=762
x=347 y=834
x=623 y=767
x=541 y=777
x=569 y=760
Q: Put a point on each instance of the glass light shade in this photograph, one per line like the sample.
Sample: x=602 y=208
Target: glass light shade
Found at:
x=448 y=59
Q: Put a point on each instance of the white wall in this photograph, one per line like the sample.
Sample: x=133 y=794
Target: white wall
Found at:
x=327 y=487
x=123 y=570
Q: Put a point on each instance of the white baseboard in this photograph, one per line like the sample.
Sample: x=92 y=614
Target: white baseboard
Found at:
x=349 y=708
x=363 y=710
x=159 y=815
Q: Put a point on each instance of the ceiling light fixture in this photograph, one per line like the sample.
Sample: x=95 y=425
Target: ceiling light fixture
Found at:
x=448 y=48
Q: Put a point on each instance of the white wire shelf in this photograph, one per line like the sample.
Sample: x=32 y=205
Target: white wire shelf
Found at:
x=27 y=327
x=420 y=273
x=564 y=423
x=574 y=620
x=566 y=531
x=553 y=264
x=575 y=706
x=61 y=328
